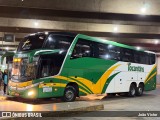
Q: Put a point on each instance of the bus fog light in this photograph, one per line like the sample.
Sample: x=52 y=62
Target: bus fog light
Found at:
x=31 y=93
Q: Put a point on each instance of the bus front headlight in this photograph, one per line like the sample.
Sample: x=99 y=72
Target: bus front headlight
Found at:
x=31 y=93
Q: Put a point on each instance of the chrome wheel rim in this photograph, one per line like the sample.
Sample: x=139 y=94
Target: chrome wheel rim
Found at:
x=133 y=91
x=69 y=94
x=140 y=90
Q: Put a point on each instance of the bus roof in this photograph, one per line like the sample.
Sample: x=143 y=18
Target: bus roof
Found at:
x=58 y=33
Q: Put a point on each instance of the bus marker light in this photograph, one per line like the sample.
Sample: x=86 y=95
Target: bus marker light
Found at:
x=17 y=60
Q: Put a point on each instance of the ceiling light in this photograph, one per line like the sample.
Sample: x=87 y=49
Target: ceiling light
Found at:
x=156 y=41
x=143 y=10
x=46 y=33
x=138 y=48
x=7 y=48
x=115 y=29
x=36 y=23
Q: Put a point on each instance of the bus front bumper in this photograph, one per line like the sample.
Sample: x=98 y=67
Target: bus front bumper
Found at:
x=31 y=93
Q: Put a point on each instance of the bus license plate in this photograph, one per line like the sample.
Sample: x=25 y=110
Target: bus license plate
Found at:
x=16 y=94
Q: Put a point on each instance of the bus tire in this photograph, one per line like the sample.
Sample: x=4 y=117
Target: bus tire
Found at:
x=140 y=90
x=132 y=90
x=69 y=94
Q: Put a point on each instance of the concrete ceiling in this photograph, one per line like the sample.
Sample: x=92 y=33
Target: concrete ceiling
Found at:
x=133 y=22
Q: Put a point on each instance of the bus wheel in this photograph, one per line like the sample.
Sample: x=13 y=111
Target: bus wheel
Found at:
x=132 y=90
x=69 y=94
x=140 y=90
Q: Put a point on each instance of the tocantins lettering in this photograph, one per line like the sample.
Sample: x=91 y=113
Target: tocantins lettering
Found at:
x=135 y=68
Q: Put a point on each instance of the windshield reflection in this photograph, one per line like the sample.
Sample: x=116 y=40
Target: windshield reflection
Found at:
x=24 y=71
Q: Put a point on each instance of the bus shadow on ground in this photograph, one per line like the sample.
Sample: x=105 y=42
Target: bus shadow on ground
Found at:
x=94 y=98
x=120 y=97
x=35 y=101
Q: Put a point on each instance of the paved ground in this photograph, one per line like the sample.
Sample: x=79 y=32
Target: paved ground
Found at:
x=13 y=104
x=149 y=101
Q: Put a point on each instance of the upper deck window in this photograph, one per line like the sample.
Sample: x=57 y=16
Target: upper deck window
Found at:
x=31 y=43
x=58 y=42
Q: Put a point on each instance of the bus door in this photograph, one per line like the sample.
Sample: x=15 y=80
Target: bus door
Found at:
x=49 y=65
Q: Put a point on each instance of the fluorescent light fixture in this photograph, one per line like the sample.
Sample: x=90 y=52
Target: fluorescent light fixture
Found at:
x=36 y=23
x=115 y=29
x=46 y=33
x=156 y=41
x=7 y=48
x=143 y=10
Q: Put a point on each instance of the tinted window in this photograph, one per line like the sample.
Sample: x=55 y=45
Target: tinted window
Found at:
x=103 y=51
x=152 y=58
x=83 y=48
x=31 y=42
x=143 y=58
x=114 y=52
x=127 y=55
x=136 y=57
x=108 y=52
x=58 y=42
x=50 y=65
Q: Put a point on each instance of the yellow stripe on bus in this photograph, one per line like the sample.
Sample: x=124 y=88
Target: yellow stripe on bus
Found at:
x=19 y=85
x=51 y=85
x=83 y=91
x=70 y=80
x=150 y=73
x=97 y=88
x=151 y=77
x=105 y=77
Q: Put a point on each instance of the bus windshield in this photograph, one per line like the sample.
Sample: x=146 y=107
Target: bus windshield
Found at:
x=23 y=71
x=32 y=42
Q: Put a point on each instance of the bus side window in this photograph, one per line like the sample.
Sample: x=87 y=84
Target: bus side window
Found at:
x=114 y=52
x=127 y=55
x=144 y=58
x=109 y=52
x=152 y=58
x=103 y=51
x=136 y=57
x=83 y=48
